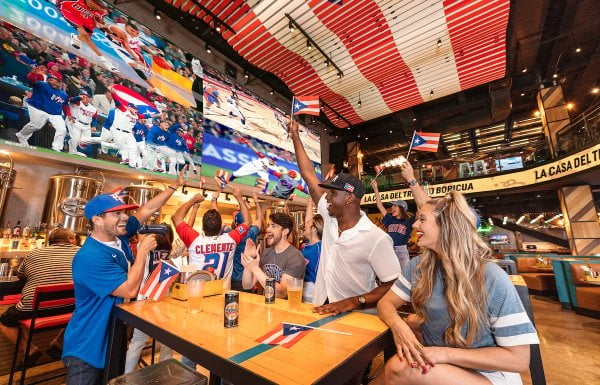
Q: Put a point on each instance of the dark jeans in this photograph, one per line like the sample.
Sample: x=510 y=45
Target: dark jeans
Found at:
x=80 y=372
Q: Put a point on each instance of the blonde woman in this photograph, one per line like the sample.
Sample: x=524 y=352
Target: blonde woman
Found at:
x=472 y=322
x=312 y=233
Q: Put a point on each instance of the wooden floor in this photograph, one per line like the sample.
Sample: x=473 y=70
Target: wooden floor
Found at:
x=570 y=346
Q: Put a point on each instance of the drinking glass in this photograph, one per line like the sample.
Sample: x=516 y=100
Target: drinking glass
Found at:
x=294 y=292
x=195 y=291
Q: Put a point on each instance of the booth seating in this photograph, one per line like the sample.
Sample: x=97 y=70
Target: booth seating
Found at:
x=586 y=293
x=538 y=282
x=564 y=281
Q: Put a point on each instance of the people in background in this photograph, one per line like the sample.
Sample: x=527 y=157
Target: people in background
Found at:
x=312 y=233
x=473 y=325
x=44 y=266
x=398 y=224
x=280 y=260
x=358 y=264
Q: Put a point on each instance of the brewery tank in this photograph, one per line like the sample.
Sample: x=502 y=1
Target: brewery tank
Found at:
x=7 y=180
x=66 y=199
x=140 y=194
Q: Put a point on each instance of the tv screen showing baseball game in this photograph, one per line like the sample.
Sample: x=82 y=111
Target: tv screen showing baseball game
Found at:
x=246 y=141
x=82 y=79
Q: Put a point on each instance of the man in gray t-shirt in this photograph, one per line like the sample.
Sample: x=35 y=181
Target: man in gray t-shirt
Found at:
x=280 y=261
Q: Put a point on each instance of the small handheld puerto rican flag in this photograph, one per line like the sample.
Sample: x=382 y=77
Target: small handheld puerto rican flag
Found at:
x=378 y=170
x=159 y=281
x=425 y=141
x=309 y=105
x=286 y=335
x=261 y=185
x=330 y=173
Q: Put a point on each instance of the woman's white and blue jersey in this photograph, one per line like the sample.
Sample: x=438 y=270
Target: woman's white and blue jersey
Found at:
x=508 y=323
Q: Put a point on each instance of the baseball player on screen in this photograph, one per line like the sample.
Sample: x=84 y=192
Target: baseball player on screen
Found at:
x=46 y=104
x=85 y=16
x=83 y=116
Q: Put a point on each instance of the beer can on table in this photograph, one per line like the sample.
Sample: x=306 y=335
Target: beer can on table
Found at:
x=232 y=308
x=270 y=290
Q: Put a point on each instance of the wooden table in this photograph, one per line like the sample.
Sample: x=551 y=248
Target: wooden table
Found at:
x=320 y=357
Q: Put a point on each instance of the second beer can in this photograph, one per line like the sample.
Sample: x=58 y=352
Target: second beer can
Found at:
x=232 y=309
x=270 y=290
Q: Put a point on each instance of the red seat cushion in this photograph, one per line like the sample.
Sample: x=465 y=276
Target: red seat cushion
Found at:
x=46 y=322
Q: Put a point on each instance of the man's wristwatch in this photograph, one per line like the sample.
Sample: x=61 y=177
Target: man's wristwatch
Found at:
x=362 y=301
x=412 y=182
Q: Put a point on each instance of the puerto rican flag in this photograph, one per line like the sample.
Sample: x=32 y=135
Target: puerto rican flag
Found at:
x=379 y=169
x=286 y=335
x=160 y=281
x=330 y=174
x=126 y=95
x=425 y=141
x=309 y=105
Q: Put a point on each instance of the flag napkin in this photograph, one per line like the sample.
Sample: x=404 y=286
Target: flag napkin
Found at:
x=306 y=105
x=425 y=141
x=285 y=335
x=159 y=281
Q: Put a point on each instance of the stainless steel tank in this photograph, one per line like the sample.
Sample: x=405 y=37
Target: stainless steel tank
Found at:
x=67 y=196
x=7 y=181
x=142 y=193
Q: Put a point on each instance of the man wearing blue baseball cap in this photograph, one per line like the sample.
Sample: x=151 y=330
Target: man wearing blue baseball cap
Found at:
x=104 y=273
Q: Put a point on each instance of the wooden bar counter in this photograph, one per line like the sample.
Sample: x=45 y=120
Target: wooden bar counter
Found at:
x=320 y=357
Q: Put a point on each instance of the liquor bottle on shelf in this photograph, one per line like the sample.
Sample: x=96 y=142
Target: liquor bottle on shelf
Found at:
x=26 y=230
x=16 y=232
x=36 y=231
x=7 y=232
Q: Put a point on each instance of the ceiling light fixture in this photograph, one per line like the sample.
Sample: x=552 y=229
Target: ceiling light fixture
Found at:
x=431 y=93
x=207 y=48
x=218 y=27
x=522 y=93
x=246 y=75
x=524 y=69
x=310 y=43
x=326 y=63
x=272 y=91
x=536 y=113
x=577 y=49
x=291 y=27
x=157 y=14
x=570 y=106
x=359 y=101
x=595 y=90
x=439 y=43
x=555 y=75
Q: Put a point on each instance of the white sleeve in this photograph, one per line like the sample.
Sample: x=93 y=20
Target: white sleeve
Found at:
x=322 y=207
x=384 y=260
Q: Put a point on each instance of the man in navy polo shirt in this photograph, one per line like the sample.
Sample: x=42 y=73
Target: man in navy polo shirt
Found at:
x=104 y=273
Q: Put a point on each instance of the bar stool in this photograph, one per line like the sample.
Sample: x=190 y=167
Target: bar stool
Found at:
x=59 y=297
x=169 y=372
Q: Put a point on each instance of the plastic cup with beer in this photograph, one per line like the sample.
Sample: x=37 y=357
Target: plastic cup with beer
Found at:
x=195 y=292
x=294 y=292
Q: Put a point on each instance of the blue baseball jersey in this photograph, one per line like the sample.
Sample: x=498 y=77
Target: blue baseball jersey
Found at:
x=48 y=99
x=98 y=270
x=177 y=143
x=139 y=132
x=157 y=136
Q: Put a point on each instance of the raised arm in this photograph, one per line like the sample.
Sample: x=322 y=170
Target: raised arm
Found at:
x=243 y=206
x=306 y=167
x=193 y=213
x=152 y=206
x=309 y=215
x=135 y=275
x=258 y=222
x=179 y=215
x=382 y=209
x=418 y=192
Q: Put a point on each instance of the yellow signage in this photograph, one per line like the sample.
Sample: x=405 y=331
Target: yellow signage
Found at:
x=573 y=164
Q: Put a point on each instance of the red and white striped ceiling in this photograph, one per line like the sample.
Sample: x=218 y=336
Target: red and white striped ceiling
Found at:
x=388 y=50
